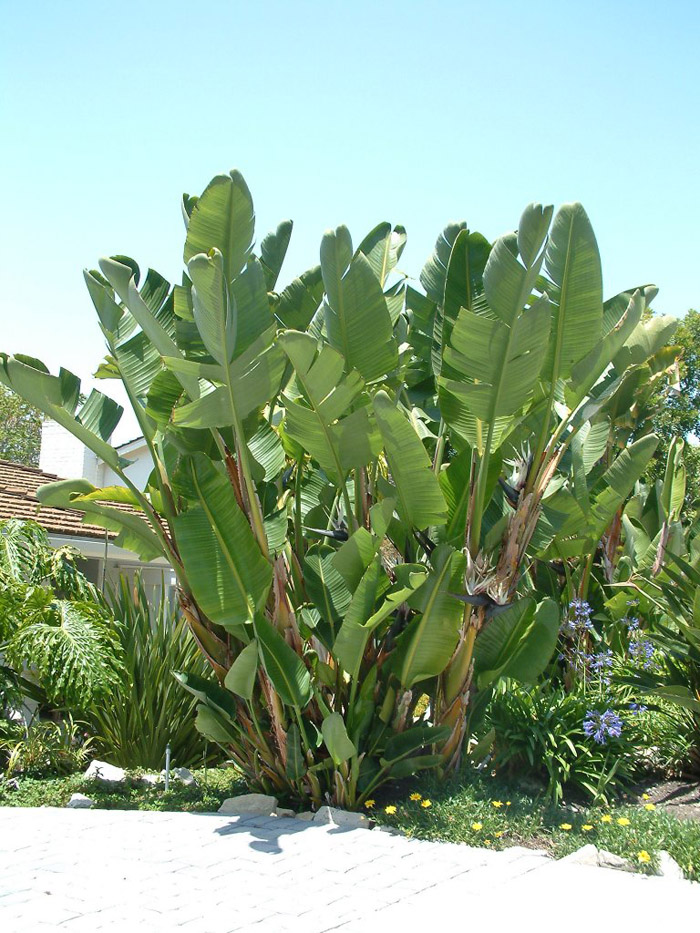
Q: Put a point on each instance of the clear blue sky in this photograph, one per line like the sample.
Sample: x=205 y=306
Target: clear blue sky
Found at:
x=413 y=112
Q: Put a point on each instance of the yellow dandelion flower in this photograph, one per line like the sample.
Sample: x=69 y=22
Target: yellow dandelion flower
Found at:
x=646 y=796
x=391 y=809
x=606 y=818
x=426 y=803
x=650 y=806
x=477 y=826
x=622 y=821
x=497 y=803
x=487 y=842
x=586 y=827
x=369 y=804
x=498 y=834
x=643 y=856
x=507 y=803
x=415 y=797
x=565 y=826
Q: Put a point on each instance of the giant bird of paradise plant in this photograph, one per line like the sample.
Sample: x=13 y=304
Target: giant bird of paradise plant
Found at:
x=350 y=475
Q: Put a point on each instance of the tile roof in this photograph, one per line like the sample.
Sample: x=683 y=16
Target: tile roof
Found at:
x=18 y=486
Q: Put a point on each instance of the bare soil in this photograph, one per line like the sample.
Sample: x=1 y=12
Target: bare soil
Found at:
x=678 y=798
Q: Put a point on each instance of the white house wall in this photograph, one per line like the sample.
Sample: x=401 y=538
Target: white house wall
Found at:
x=63 y=454
x=104 y=562
x=138 y=472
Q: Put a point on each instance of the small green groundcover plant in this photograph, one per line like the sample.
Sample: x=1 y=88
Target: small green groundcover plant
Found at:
x=357 y=481
x=482 y=810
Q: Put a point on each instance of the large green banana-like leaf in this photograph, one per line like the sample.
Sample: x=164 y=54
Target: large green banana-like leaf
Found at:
x=358 y=624
x=134 y=358
x=647 y=339
x=242 y=674
x=456 y=484
x=591 y=367
x=324 y=584
x=614 y=308
x=295 y=306
x=57 y=397
x=353 y=558
x=418 y=495
x=464 y=284
x=273 y=249
x=229 y=576
x=584 y=516
x=673 y=489
x=618 y=481
x=496 y=353
x=133 y=533
x=287 y=672
x=573 y=264
x=295 y=767
x=319 y=404
x=267 y=452
x=230 y=318
x=336 y=739
x=430 y=639
x=249 y=383
x=357 y=319
x=497 y=365
x=517 y=642
x=434 y=272
x=223 y=218
x=383 y=247
x=121 y=277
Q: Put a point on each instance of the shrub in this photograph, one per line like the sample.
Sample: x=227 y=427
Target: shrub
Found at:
x=47 y=749
x=147 y=708
x=541 y=731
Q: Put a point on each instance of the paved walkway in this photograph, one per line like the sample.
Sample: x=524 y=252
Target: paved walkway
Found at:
x=124 y=871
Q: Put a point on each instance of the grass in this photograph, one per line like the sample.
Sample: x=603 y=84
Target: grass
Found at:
x=213 y=787
x=485 y=811
x=475 y=809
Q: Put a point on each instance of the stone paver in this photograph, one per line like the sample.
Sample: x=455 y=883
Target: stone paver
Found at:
x=110 y=870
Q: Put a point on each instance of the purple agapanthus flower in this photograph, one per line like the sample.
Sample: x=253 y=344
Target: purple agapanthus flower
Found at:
x=638 y=708
x=602 y=661
x=579 y=618
x=642 y=651
x=601 y=726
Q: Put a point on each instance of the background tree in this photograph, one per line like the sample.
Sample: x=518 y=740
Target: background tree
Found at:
x=20 y=429
x=678 y=409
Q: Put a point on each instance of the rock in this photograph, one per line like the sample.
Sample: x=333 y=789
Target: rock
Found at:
x=610 y=860
x=332 y=816
x=184 y=776
x=80 y=802
x=101 y=771
x=669 y=867
x=586 y=855
x=306 y=817
x=249 y=805
x=283 y=812
x=151 y=779
x=389 y=830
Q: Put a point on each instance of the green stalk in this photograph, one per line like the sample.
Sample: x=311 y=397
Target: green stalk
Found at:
x=254 y=504
x=479 y=495
x=439 y=448
x=298 y=531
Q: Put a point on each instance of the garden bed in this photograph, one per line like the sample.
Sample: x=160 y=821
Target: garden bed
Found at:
x=477 y=810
